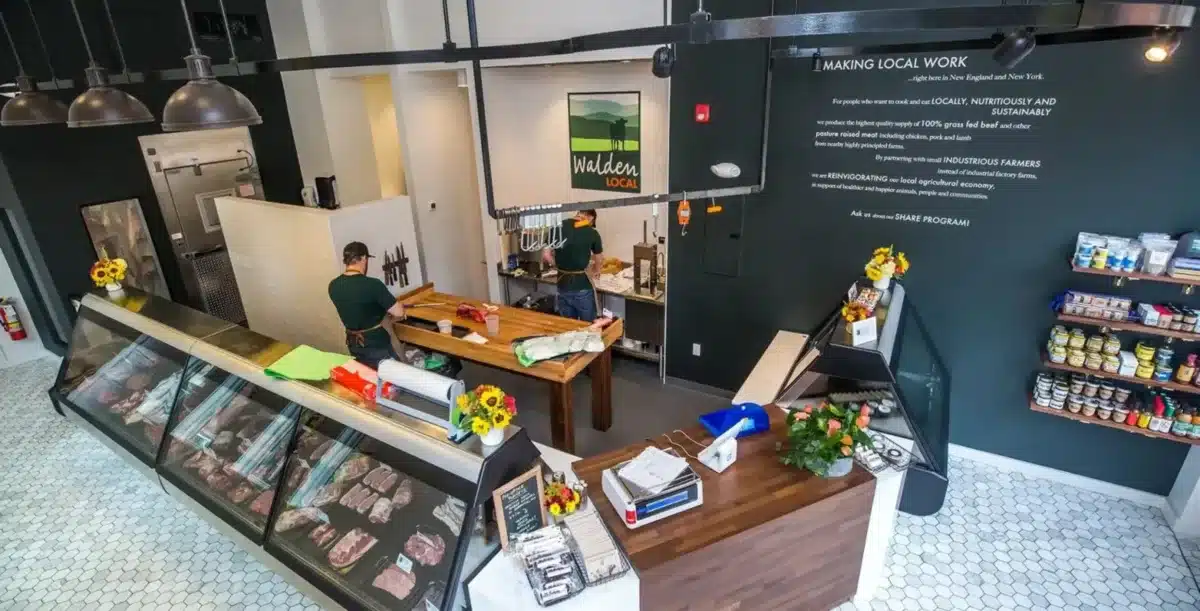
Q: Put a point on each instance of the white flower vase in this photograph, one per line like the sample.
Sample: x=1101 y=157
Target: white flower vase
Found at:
x=493 y=437
x=114 y=287
x=884 y=285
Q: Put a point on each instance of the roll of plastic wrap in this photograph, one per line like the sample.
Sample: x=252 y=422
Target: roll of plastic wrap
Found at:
x=361 y=370
x=420 y=382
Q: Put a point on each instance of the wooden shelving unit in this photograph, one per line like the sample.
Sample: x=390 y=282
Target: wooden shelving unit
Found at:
x=1062 y=413
x=1134 y=276
x=1129 y=326
x=1175 y=386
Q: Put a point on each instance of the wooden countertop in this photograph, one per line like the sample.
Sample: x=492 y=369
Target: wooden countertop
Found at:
x=515 y=323
x=755 y=490
x=658 y=299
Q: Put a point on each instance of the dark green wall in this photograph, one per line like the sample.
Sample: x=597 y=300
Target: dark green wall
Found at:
x=1118 y=156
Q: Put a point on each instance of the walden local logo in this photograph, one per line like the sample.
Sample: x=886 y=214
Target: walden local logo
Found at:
x=606 y=141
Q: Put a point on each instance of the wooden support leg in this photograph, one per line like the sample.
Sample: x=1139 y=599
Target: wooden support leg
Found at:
x=562 y=424
x=601 y=370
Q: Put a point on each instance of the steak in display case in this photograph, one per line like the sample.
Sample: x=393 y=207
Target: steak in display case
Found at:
x=227 y=444
x=358 y=506
x=121 y=381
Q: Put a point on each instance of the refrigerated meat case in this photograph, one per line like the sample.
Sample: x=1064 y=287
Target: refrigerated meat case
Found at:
x=359 y=507
x=904 y=363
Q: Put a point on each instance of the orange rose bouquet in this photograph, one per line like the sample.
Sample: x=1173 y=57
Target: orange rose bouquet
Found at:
x=817 y=438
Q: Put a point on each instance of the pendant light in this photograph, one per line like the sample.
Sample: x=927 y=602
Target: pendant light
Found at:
x=30 y=107
x=102 y=105
x=204 y=102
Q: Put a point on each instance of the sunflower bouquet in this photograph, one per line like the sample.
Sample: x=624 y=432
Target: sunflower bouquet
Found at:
x=485 y=409
x=107 y=272
x=561 y=499
x=886 y=263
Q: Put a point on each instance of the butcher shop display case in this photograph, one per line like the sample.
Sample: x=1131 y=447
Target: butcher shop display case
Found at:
x=358 y=506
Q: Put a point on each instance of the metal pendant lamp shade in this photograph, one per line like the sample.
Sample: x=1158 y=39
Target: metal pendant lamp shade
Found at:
x=206 y=103
x=102 y=105
x=30 y=107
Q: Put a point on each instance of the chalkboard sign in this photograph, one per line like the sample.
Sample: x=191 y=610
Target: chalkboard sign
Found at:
x=520 y=505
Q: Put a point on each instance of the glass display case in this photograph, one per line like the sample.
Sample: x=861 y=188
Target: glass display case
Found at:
x=358 y=506
x=903 y=362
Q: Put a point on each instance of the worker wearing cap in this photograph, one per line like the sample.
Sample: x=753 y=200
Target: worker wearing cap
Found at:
x=578 y=260
x=363 y=303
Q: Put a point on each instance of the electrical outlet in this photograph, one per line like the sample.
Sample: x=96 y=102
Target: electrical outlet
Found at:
x=695 y=349
x=433 y=205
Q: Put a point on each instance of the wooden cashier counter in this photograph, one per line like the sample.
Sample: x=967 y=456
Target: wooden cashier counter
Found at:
x=185 y=399
x=767 y=536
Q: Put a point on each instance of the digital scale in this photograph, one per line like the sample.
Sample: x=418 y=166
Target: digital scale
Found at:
x=640 y=507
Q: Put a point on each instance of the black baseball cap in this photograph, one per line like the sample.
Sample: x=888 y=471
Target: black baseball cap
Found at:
x=355 y=251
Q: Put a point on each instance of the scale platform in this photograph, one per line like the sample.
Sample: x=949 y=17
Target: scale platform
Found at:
x=640 y=507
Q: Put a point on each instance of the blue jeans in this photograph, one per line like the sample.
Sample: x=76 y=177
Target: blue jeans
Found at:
x=580 y=305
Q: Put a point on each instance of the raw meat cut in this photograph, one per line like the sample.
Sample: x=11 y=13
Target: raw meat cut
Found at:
x=351 y=548
x=126 y=406
x=298 y=473
x=297 y=517
x=309 y=441
x=387 y=483
x=352 y=469
x=326 y=495
x=137 y=381
x=321 y=450
x=323 y=535
x=377 y=476
x=403 y=495
x=381 y=512
x=262 y=504
x=223 y=441
x=219 y=481
x=195 y=461
x=425 y=549
x=211 y=464
x=243 y=492
x=366 y=503
x=351 y=499
x=395 y=581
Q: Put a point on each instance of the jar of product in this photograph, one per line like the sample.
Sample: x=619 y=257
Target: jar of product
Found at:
x=1091 y=388
x=1056 y=403
x=1132 y=418
x=1059 y=335
x=1077 y=384
x=1145 y=369
x=1093 y=361
x=1042 y=399
x=1120 y=395
x=1162 y=374
x=1112 y=364
x=1075 y=357
x=1187 y=370
x=1189 y=320
x=1095 y=343
x=1143 y=421
x=1120 y=413
x=1075 y=404
x=1144 y=351
x=1163 y=357
x=1090 y=406
x=1104 y=410
x=1100 y=257
x=1112 y=345
x=1183 y=423
x=1058 y=354
x=1194 y=433
x=1077 y=339
x=1106 y=391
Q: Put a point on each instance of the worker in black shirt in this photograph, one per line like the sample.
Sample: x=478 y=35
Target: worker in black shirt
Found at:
x=578 y=260
x=364 y=303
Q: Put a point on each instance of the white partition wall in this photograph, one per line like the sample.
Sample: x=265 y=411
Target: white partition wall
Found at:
x=284 y=257
x=30 y=348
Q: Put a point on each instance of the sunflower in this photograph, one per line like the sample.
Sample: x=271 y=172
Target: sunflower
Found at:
x=556 y=509
x=901 y=264
x=481 y=427
x=873 y=273
x=100 y=274
x=500 y=419
x=491 y=397
x=571 y=505
x=462 y=402
x=115 y=270
x=882 y=251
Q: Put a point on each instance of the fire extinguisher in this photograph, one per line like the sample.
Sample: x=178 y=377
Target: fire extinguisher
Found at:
x=10 y=321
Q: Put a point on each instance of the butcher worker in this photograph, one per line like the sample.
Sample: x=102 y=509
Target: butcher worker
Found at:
x=578 y=260
x=364 y=304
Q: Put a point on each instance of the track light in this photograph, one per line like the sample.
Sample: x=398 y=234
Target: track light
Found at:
x=1014 y=48
x=1162 y=45
x=663 y=62
x=204 y=102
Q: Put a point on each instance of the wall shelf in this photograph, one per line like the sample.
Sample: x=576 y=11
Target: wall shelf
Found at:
x=1062 y=413
x=1129 y=326
x=1176 y=386
x=1121 y=276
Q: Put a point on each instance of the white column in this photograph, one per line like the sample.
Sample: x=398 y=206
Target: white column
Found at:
x=1183 y=504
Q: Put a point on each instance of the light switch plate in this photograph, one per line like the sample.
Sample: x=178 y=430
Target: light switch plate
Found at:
x=695 y=349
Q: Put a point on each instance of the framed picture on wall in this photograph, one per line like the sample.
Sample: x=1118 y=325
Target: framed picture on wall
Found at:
x=606 y=136
x=118 y=230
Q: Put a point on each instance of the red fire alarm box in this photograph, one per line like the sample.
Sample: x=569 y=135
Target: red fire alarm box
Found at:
x=702 y=113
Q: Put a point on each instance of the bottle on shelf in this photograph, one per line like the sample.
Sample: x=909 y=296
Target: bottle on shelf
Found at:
x=1187 y=370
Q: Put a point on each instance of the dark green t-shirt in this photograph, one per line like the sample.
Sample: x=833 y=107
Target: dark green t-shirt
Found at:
x=362 y=302
x=576 y=254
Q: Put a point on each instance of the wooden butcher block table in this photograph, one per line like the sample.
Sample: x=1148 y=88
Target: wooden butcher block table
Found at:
x=767 y=537
x=519 y=323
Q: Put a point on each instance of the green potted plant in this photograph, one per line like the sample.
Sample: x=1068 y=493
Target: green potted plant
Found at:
x=823 y=440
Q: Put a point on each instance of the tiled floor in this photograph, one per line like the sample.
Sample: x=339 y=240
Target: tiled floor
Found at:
x=80 y=530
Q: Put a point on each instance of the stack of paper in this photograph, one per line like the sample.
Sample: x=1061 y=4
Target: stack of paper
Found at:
x=653 y=470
